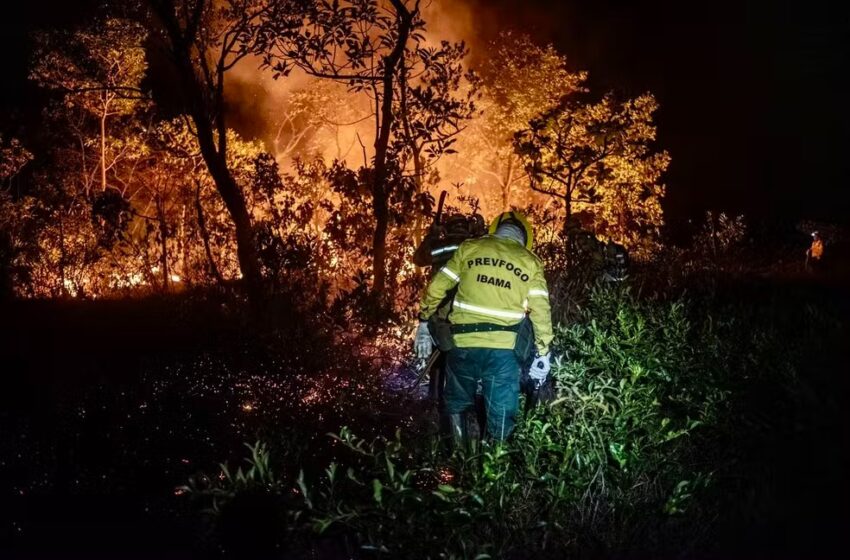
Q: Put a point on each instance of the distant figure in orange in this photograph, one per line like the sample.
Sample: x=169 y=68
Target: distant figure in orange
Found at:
x=814 y=254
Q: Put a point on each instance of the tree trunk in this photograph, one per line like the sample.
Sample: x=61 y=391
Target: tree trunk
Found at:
x=200 y=109
x=62 y=257
x=506 y=185
x=569 y=241
x=234 y=200
x=379 y=243
x=183 y=249
x=568 y=209
x=163 y=244
x=103 y=151
x=380 y=195
x=205 y=236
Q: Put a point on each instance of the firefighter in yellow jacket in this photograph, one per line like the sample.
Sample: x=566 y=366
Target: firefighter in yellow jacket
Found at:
x=500 y=285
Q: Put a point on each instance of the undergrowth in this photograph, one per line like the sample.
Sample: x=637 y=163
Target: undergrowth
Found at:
x=652 y=410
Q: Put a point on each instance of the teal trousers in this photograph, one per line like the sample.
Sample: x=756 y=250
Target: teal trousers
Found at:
x=498 y=371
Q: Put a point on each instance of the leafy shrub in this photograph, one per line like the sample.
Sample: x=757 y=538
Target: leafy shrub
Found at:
x=650 y=405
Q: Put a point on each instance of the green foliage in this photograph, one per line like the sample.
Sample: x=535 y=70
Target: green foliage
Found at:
x=259 y=476
x=633 y=388
x=650 y=393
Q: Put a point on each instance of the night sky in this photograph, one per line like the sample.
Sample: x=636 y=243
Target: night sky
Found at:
x=752 y=94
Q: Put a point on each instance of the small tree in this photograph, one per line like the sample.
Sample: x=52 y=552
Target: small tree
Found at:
x=598 y=155
x=99 y=70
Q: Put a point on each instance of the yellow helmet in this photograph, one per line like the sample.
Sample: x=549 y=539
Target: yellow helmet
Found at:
x=515 y=218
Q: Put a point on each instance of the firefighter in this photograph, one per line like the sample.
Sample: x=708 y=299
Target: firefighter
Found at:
x=442 y=240
x=436 y=249
x=814 y=253
x=501 y=294
x=585 y=249
x=616 y=263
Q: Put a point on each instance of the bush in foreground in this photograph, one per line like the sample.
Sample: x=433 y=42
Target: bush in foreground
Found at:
x=650 y=404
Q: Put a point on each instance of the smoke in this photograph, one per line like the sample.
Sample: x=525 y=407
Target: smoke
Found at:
x=302 y=116
x=255 y=99
x=451 y=20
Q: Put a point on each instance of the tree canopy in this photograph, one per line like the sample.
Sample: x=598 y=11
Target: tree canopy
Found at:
x=378 y=116
x=600 y=156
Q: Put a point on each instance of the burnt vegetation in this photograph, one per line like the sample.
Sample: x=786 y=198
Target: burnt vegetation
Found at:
x=205 y=328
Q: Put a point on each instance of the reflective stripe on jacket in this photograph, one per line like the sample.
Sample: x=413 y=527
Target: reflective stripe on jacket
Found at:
x=498 y=281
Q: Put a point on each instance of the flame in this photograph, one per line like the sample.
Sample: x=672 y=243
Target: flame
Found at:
x=446 y=475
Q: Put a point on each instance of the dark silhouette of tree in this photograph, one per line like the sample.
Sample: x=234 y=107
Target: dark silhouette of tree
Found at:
x=203 y=40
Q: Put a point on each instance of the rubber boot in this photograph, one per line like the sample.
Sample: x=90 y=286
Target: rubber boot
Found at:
x=481 y=418
x=437 y=381
x=458 y=433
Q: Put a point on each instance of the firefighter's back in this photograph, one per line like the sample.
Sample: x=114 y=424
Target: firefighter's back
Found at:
x=495 y=279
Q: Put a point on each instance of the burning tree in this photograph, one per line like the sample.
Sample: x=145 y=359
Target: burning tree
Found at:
x=519 y=81
x=123 y=199
x=80 y=197
x=599 y=155
x=13 y=240
x=99 y=69
x=377 y=48
x=204 y=41
x=127 y=195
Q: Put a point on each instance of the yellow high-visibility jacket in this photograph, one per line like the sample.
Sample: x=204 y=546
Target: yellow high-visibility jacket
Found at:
x=499 y=282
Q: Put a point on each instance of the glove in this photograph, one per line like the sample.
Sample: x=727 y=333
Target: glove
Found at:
x=540 y=369
x=423 y=345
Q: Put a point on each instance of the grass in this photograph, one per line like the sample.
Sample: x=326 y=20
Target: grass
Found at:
x=659 y=404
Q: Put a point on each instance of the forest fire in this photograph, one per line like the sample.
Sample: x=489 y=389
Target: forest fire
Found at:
x=126 y=200
x=391 y=279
